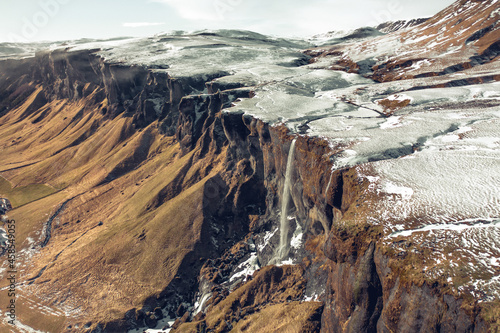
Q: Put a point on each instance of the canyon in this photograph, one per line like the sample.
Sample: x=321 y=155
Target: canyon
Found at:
x=219 y=181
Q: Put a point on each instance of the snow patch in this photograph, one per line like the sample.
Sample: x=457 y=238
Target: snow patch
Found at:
x=312 y=298
x=494 y=13
x=296 y=242
x=420 y=64
x=288 y=261
x=267 y=237
x=248 y=268
x=400 y=98
x=391 y=122
x=405 y=192
x=459 y=226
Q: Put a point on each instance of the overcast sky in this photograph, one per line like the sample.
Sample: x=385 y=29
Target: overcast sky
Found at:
x=33 y=20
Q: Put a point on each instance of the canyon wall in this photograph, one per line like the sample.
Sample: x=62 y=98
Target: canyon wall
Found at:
x=225 y=174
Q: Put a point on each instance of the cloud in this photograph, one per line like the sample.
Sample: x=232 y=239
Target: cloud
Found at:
x=197 y=10
x=295 y=17
x=289 y=17
x=141 y=24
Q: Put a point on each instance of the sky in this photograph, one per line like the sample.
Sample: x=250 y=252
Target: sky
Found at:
x=56 y=20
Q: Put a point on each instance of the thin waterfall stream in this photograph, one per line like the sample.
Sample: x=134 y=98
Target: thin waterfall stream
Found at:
x=285 y=201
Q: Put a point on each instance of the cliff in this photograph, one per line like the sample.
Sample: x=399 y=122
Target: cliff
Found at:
x=258 y=195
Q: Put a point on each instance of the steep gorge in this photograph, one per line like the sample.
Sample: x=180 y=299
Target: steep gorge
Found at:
x=182 y=193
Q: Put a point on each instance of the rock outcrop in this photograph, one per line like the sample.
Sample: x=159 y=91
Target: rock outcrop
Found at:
x=392 y=26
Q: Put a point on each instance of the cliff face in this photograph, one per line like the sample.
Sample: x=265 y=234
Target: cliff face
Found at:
x=169 y=201
x=132 y=90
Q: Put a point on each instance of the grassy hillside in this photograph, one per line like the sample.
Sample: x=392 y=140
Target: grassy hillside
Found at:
x=133 y=214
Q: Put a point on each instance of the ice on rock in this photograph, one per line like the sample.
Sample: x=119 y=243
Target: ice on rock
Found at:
x=247 y=267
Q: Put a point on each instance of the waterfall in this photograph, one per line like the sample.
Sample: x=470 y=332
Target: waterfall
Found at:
x=329 y=183
x=285 y=200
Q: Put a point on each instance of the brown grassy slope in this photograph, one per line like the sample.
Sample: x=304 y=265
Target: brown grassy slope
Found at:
x=285 y=317
x=116 y=176
x=292 y=317
x=35 y=315
x=21 y=195
x=270 y=302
